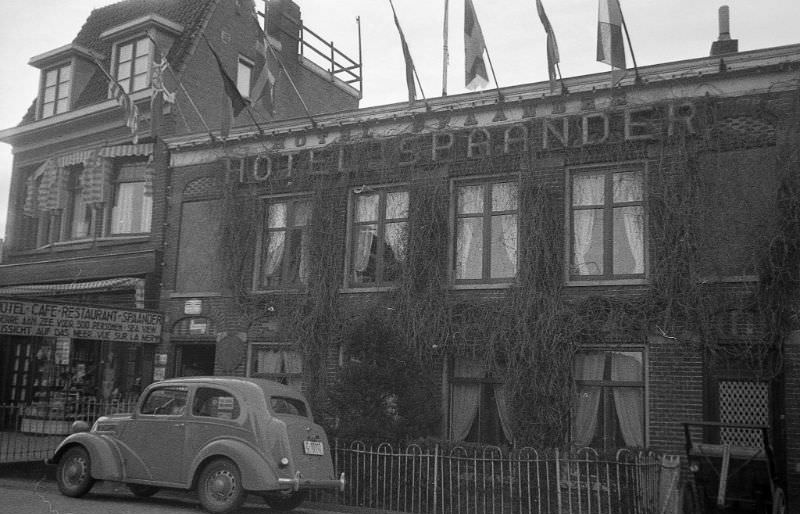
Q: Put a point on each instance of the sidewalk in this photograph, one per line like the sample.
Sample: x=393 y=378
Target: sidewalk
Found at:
x=29 y=475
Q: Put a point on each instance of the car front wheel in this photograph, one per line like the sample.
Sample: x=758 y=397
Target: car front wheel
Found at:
x=285 y=501
x=74 y=475
x=219 y=487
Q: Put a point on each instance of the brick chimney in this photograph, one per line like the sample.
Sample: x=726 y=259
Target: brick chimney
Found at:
x=724 y=45
x=284 y=24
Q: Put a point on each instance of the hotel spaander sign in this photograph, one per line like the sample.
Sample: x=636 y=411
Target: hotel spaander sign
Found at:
x=46 y=319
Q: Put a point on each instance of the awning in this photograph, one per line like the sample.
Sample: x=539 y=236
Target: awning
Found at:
x=74 y=158
x=127 y=150
x=111 y=284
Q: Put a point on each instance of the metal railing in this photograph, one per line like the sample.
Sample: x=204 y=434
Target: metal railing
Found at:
x=30 y=432
x=465 y=480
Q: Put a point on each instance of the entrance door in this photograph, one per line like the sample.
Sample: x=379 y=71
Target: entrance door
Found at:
x=194 y=359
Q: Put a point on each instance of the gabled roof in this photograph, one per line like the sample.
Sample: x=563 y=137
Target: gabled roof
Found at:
x=191 y=14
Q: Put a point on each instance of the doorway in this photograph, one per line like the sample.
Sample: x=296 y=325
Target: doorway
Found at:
x=194 y=359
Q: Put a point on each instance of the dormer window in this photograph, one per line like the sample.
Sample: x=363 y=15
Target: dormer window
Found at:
x=55 y=90
x=133 y=65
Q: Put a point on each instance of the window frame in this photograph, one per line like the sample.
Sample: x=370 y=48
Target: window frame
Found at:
x=487 y=416
x=75 y=193
x=127 y=83
x=58 y=86
x=486 y=222
x=607 y=386
x=608 y=277
x=381 y=222
x=291 y=202
x=119 y=179
x=244 y=62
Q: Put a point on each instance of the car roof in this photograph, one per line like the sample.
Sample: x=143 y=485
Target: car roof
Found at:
x=269 y=387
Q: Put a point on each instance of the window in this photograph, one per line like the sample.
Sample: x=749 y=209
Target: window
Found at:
x=167 y=401
x=286 y=405
x=244 y=75
x=283 y=260
x=215 y=403
x=380 y=237
x=133 y=202
x=477 y=405
x=607 y=224
x=486 y=232
x=278 y=363
x=79 y=212
x=55 y=90
x=133 y=65
x=608 y=412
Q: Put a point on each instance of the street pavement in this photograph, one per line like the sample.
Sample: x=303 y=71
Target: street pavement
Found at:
x=30 y=488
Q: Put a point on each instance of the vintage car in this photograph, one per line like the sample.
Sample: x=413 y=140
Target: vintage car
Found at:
x=223 y=436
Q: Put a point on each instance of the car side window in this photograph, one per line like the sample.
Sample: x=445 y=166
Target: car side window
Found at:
x=284 y=405
x=166 y=401
x=215 y=403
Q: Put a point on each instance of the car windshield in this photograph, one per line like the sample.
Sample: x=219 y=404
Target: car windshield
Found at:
x=167 y=401
x=285 y=405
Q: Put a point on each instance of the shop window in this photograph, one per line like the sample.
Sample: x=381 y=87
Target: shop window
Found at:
x=133 y=65
x=478 y=409
x=379 y=237
x=283 y=256
x=56 y=85
x=215 y=403
x=486 y=232
x=133 y=202
x=608 y=412
x=278 y=363
x=166 y=401
x=607 y=224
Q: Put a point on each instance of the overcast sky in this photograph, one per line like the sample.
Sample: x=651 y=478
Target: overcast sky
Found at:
x=660 y=30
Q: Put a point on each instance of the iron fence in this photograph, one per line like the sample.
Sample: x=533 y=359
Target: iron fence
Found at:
x=486 y=480
x=30 y=432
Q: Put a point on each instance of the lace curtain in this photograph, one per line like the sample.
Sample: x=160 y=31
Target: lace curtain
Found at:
x=628 y=400
x=588 y=366
x=586 y=190
x=628 y=188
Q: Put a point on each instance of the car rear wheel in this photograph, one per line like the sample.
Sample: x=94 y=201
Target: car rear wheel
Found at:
x=219 y=487
x=74 y=474
x=285 y=500
x=142 y=491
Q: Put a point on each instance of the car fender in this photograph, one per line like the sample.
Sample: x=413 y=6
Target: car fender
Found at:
x=104 y=456
x=258 y=474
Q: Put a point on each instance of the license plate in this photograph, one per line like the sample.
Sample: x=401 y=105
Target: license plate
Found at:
x=313 y=448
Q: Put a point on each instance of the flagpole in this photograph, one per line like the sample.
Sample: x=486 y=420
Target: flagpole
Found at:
x=413 y=67
x=491 y=67
x=445 y=51
x=638 y=79
x=297 y=92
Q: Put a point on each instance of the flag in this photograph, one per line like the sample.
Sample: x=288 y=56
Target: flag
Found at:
x=610 y=45
x=124 y=100
x=474 y=48
x=264 y=87
x=412 y=90
x=234 y=103
x=157 y=80
x=552 y=46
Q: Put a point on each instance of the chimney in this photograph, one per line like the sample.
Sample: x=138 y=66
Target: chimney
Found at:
x=284 y=24
x=724 y=45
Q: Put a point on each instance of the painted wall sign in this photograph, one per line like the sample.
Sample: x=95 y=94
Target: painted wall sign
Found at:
x=44 y=319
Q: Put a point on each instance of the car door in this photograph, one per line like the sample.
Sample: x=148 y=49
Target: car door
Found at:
x=154 y=440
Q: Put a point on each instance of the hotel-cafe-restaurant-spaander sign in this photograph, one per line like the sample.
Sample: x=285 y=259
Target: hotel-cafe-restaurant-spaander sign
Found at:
x=46 y=319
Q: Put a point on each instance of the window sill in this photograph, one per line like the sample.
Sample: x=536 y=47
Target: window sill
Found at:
x=485 y=285
x=198 y=294
x=123 y=238
x=295 y=290
x=375 y=289
x=609 y=282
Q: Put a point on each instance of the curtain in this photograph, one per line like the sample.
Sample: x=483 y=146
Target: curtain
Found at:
x=303 y=270
x=508 y=239
x=467 y=228
x=586 y=190
x=464 y=398
x=588 y=366
x=147 y=213
x=501 y=399
x=395 y=234
x=628 y=188
x=268 y=361
x=122 y=213
x=366 y=235
x=274 y=256
x=628 y=400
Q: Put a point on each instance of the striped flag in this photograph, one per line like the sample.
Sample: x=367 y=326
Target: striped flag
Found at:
x=474 y=48
x=552 y=47
x=124 y=100
x=610 y=45
x=263 y=89
x=412 y=90
x=233 y=103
